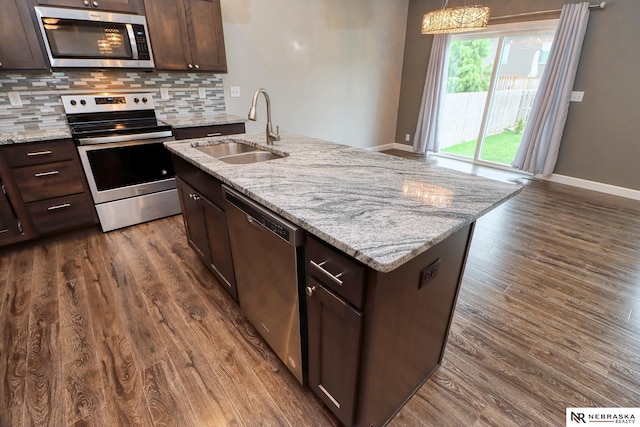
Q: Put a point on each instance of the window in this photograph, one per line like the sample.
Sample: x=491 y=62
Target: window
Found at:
x=491 y=80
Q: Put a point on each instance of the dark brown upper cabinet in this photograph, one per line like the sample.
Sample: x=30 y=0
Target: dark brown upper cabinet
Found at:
x=19 y=45
x=127 y=6
x=186 y=34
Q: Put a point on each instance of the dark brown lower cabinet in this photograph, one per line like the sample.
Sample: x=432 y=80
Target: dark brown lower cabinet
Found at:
x=374 y=338
x=334 y=349
x=206 y=228
x=9 y=225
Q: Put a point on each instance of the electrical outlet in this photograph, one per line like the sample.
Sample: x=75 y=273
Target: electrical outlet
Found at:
x=164 y=93
x=14 y=99
x=429 y=273
x=407 y=137
x=235 y=91
x=202 y=93
x=577 y=95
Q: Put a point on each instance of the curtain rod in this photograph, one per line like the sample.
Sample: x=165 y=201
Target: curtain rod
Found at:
x=544 y=12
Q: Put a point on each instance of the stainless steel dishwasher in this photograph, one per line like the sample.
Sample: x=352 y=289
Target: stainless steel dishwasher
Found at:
x=266 y=250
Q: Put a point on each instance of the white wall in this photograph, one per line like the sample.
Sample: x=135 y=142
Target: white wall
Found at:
x=332 y=68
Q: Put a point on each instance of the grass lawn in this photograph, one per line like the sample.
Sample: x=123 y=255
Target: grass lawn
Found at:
x=499 y=148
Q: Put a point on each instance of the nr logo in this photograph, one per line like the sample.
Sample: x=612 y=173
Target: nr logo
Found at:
x=577 y=417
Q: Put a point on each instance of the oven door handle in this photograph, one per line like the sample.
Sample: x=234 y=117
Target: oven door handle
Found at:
x=125 y=138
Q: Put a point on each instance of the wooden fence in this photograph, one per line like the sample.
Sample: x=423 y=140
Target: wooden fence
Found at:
x=462 y=114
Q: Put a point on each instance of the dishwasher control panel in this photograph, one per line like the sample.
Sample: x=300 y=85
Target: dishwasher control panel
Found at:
x=256 y=213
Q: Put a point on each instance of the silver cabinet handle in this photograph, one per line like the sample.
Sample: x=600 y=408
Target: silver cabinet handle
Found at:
x=311 y=290
x=194 y=196
x=56 y=207
x=39 y=153
x=39 y=174
x=334 y=278
x=215 y=134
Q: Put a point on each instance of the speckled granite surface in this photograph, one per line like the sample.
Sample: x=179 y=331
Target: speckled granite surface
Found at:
x=208 y=120
x=33 y=136
x=380 y=209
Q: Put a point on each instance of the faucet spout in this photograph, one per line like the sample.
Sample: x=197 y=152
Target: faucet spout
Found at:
x=271 y=137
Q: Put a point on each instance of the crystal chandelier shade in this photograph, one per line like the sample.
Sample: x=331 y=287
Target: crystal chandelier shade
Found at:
x=455 y=19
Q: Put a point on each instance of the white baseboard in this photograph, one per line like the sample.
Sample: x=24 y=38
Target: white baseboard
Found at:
x=392 y=146
x=595 y=186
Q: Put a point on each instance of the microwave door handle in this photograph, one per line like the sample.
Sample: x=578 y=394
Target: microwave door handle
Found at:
x=132 y=41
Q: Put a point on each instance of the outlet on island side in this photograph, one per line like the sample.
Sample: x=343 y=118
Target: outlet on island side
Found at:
x=407 y=137
x=429 y=273
x=235 y=91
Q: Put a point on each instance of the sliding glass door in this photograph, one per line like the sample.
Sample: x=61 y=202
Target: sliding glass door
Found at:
x=491 y=81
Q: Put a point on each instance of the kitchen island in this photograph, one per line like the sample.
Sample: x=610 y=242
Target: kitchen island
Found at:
x=395 y=232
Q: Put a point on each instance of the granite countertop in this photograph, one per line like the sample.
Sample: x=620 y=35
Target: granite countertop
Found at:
x=33 y=136
x=209 y=120
x=380 y=209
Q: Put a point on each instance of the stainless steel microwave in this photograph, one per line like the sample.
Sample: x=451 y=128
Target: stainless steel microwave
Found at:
x=94 y=39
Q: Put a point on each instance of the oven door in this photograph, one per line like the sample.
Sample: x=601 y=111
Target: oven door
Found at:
x=120 y=170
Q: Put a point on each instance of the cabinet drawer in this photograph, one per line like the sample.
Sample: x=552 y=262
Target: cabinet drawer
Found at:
x=336 y=271
x=28 y=154
x=62 y=212
x=49 y=180
x=205 y=131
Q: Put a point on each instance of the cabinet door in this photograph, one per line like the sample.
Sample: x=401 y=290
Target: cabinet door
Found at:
x=19 y=45
x=168 y=33
x=334 y=330
x=129 y=6
x=8 y=222
x=194 y=221
x=221 y=263
x=204 y=24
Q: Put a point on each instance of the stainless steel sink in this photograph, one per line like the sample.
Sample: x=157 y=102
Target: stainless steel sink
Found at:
x=238 y=153
x=251 y=157
x=226 y=149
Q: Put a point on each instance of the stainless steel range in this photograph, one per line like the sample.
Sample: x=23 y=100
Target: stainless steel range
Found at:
x=120 y=142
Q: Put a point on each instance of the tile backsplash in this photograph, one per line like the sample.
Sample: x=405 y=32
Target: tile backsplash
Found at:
x=41 y=107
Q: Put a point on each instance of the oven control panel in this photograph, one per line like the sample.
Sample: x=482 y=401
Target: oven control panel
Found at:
x=106 y=102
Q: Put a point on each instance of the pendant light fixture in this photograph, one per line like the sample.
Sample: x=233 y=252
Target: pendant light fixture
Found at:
x=455 y=19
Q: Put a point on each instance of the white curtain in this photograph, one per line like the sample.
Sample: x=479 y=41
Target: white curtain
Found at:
x=425 y=137
x=538 y=151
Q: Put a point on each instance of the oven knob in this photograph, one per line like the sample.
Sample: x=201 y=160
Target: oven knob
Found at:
x=144 y=100
x=73 y=102
x=136 y=100
x=83 y=102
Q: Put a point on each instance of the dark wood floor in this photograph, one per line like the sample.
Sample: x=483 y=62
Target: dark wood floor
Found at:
x=128 y=328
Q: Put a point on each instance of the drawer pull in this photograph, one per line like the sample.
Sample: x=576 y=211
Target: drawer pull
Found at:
x=56 y=207
x=194 y=196
x=39 y=153
x=215 y=134
x=333 y=278
x=39 y=174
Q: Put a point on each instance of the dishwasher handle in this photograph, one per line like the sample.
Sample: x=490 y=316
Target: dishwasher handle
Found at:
x=261 y=217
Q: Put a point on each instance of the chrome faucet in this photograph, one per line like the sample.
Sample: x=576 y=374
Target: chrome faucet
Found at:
x=271 y=137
